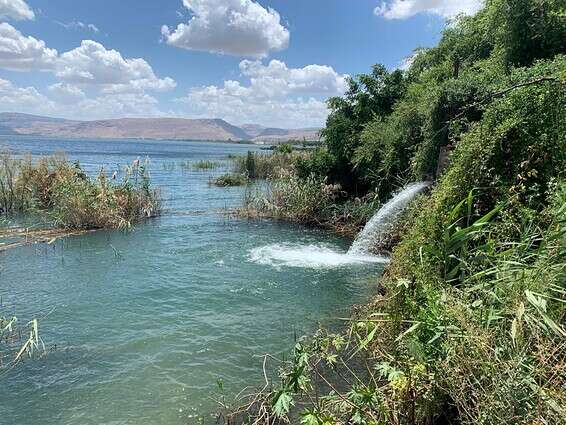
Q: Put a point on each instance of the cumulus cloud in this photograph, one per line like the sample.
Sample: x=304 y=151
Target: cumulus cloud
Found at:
x=92 y=64
x=15 y=9
x=61 y=95
x=277 y=79
x=211 y=101
x=275 y=96
x=21 y=53
x=115 y=106
x=23 y=99
x=66 y=93
x=233 y=27
x=403 y=9
x=97 y=82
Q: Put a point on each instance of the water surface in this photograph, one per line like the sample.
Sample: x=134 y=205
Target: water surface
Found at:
x=140 y=325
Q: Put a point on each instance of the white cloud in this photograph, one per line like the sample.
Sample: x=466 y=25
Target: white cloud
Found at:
x=78 y=25
x=403 y=9
x=276 y=95
x=21 y=53
x=29 y=100
x=66 y=93
x=207 y=102
x=233 y=27
x=23 y=99
x=97 y=82
x=93 y=65
x=115 y=106
x=90 y=64
x=15 y=9
x=277 y=79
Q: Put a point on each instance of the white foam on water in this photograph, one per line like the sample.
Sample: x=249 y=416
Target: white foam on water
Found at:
x=308 y=256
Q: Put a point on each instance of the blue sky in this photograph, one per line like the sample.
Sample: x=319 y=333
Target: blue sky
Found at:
x=272 y=62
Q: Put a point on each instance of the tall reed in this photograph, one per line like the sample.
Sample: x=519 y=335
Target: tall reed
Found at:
x=256 y=165
x=61 y=192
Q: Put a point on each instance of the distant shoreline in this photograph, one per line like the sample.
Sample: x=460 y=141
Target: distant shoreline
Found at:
x=180 y=129
x=149 y=139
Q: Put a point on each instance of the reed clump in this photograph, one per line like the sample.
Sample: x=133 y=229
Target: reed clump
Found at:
x=60 y=192
x=206 y=165
x=311 y=201
x=14 y=345
x=256 y=165
x=230 y=180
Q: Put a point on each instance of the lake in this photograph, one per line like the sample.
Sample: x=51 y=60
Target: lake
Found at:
x=140 y=325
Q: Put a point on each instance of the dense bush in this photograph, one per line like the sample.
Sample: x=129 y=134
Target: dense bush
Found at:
x=389 y=127
x=309 y=201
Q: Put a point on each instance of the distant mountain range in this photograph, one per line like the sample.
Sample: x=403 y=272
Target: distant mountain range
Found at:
x=12 y=123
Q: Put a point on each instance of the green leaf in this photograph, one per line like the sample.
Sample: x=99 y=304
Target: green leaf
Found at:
x=514 y=326
x=282 y=403
x=408 y=331
x=365 y=342
x=310 y=417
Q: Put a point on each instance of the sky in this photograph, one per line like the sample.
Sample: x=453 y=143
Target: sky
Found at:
x=267 y=62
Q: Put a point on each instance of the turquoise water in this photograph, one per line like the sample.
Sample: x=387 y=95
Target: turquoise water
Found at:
x=140 y=325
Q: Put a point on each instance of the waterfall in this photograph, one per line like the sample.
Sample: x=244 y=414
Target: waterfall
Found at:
x=382 y=221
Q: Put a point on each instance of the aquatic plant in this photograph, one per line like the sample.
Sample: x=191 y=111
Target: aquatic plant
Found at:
x=169 y=166
x=267 y=165
x=205 y=165
x=13 y=348
x=309 y=201
x=60 y=192
x=283 y=148
x=231 y=179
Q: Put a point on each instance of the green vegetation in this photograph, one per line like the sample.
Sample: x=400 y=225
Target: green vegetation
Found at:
x=259 y=166
x=469 y=324
x=61 y=193
x=205 y=165
x=230 y=179
x=267 y=166
x=296 y=192
x=309 y=201
x=284 y=148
